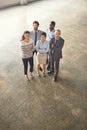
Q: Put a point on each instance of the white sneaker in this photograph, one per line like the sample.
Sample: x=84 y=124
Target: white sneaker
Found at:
x=31 y=76
x=26 y=78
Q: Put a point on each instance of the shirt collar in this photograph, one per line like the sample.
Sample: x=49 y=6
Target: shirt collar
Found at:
x=41 y=42
x=51 y=30
x=57 y=38
x=35 y=31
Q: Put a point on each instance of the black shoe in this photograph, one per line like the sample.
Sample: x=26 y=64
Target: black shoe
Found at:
x=41 y=69
x=55 y=78
x=48 y=68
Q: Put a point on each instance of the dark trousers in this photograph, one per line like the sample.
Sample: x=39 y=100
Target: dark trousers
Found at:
x=47 y=61
x=55 y=67
x=25 y=63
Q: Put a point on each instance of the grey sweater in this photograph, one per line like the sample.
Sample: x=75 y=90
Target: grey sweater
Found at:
x=27 y=49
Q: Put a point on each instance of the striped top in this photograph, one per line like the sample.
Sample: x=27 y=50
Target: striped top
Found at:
x=27 y=49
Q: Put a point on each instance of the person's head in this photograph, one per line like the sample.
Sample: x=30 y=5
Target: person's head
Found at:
x=52 y=25
x=25 y=35
x=57 y=33
x=43 y=36
x=35 y=25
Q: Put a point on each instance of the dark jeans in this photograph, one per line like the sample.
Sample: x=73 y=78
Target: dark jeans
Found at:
x=55 y=67
x=25 y=63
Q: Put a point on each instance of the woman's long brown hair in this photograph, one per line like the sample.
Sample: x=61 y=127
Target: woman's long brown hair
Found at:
x=22 y=38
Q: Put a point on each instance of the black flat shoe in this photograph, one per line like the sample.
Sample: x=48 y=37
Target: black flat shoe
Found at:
x=48 y=68
x=55 y=79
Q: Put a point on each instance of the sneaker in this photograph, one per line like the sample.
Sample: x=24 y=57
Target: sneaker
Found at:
x=26 y=78
x=31 y=76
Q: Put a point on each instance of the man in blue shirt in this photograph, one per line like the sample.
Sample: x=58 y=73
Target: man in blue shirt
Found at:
x=35 y=35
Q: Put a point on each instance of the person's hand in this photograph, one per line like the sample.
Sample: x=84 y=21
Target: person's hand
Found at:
x=28 y=51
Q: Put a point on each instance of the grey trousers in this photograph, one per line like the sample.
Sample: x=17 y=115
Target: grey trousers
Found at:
x=55 y=66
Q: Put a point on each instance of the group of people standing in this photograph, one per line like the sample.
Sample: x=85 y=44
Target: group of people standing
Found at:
x=48 y=48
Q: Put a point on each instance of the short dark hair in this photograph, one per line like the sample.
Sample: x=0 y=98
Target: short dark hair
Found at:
x=53 y=23
x=36 y=22
x=43 y=33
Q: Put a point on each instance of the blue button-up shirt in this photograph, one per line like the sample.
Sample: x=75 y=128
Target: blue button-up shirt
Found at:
x=32 y=35
x=42 y=47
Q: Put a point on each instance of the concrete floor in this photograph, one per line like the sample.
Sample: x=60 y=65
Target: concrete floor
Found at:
x=42 y=104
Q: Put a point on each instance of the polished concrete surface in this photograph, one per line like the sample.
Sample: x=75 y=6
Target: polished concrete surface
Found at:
x=41 y=104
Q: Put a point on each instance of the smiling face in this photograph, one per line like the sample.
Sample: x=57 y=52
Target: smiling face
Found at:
x=35 y=26
x=26 y=35
x=43 y=38
x=52 y=26
x=57 y=33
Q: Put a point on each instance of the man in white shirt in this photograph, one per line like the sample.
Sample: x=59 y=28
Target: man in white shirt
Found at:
x=50 y=34
x=51 y=31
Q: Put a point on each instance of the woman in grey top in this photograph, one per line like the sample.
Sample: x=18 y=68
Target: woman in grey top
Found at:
x=27 y=48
